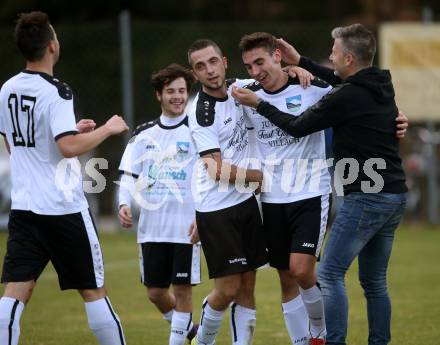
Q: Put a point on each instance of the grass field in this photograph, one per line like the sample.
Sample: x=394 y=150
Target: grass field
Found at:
x=54 y=317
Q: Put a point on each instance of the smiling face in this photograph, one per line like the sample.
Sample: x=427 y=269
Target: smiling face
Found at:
x=265 y=68
x=173 y=97
x=209 y=68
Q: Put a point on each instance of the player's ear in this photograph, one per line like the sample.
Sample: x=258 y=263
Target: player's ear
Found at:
x=159 y=96
x=51 y=47
x=277 y=55
x=194 y=75
x=225 y=61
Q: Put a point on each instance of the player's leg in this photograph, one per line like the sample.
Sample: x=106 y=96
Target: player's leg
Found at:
x=214 y=307
x=103 y=320
x=75 y=252
x=310 y=219
x=156 y=264
x=294 y=312
x=243 y=312
x=243 y=309
x=24 y=261
x=278 y=239
x=15 y=296
x=186 y=272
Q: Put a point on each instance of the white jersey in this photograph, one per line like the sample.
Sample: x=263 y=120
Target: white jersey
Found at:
x=294 y=168
x=160 y=156
x=35 y=111
x=219 y=125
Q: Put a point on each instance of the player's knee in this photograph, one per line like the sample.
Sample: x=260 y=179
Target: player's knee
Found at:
x=229 y=293
x=21 y=291
x=182 y=292
x=302 y=274
x=90 y=295
x=156 y=295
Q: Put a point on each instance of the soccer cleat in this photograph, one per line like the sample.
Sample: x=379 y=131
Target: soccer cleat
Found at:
x=316 y=341
x=192 y=334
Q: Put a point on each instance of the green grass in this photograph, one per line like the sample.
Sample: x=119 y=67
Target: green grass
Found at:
x=52 y=317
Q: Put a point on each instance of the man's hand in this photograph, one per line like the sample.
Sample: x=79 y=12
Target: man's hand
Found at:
x=305 y=77
x=288 y=53
x=116 y=125
x=245 y=96
x=402 y=125
x=85 y=126
x=125 y=217
x=193 y=232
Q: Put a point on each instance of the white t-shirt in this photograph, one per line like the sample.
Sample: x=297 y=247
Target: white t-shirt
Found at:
x=160 y=156
x=294 y=168
x=36 y=110
x=219 y=125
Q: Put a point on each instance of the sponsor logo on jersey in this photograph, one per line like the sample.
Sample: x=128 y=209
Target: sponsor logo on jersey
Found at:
x=293 y=103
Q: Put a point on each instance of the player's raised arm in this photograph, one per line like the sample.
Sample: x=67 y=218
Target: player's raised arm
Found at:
x=76 y=144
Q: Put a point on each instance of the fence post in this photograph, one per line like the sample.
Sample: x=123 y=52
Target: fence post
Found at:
x=126 y=68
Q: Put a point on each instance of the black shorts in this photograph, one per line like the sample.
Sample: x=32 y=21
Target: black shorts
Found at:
x=297 y=227
x=232 y=239
x=164 y=263
x=69 y=241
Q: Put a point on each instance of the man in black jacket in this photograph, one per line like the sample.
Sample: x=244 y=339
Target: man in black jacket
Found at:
x=361 y=109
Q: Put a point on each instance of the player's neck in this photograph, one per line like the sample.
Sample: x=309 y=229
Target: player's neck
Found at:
x=217 y=93
x=40 y=66
x=280 y=80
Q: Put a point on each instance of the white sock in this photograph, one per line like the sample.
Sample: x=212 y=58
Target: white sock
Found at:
x=314 y=305
x=10 y=313
x=180 y=326
x=210 y=322
x=168 y=316
x=104 y=322
x=242 y=323
x=297 y=321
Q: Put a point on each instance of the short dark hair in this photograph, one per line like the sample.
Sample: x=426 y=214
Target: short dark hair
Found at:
x=202 y=44
x=258 y=40
x=33 y=34
x=357 y=40
x=170 y=73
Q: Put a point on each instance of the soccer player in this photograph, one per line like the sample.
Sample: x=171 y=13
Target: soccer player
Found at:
x=361 y=110
x=157 y=170
x=227 y=214
x=295 y=193
x=49 y=223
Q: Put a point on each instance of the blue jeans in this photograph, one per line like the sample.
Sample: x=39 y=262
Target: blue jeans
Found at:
x=364 y=227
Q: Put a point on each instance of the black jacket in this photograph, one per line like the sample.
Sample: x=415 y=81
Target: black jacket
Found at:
x=362 y=112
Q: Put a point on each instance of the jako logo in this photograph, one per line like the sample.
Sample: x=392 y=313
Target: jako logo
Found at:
x=229 y=119
x=182 y=275
x=308 y=245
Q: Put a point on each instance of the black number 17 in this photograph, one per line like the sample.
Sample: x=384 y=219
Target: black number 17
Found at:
x=27 y=105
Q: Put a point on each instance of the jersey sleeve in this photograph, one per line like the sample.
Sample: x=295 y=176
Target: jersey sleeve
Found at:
x=62 y=118
x=131 y=161
x=205 y=136
x=2 y=125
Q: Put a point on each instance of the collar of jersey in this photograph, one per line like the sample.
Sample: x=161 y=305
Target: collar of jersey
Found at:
x=217 y=99
x=290 y=81
x=183 y=122
x=36 y=72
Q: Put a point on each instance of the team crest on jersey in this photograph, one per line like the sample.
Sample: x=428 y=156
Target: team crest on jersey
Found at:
x=293 y=103
x=182 y=147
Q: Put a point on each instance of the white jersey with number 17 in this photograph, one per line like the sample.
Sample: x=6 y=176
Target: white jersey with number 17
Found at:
x=35 y=111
